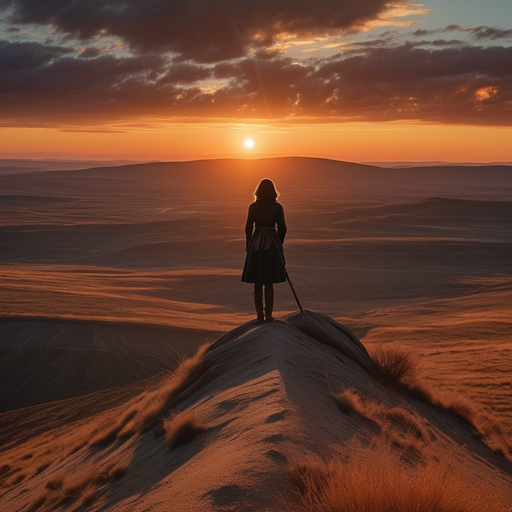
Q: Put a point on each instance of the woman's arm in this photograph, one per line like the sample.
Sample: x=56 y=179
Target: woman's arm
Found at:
x=281 y=224
x=249 y=224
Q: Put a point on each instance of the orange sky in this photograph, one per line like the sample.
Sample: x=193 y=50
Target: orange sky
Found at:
x=352 y=142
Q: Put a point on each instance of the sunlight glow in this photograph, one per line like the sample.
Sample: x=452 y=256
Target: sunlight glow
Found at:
x=249 y=143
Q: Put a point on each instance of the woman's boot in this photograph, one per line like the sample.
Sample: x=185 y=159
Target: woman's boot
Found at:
x=269 y=303
x=258 y=302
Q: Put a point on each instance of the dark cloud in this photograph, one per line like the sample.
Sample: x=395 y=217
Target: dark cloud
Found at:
x=479 y=33
x=444 y=42
x=471 y=85
x=224 y=65
x=33 y=79
x=491 y=33
x=20 y=56
x=423 y=32
x=453 y=26
x=464 y=85
x=203 y=30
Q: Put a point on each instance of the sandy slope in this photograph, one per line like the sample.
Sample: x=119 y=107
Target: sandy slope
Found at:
x=266 y=398
x=41 y=361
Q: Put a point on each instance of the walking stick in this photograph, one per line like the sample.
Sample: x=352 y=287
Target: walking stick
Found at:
x=289 y=282
x=293 y=291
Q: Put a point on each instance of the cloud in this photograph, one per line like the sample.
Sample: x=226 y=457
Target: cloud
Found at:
x=491 y=33
x=439 y=85
x=479 y=33
x=470 y=85
x=41 y=86
x=20 y=56
x=202 y=30
x=117 y=61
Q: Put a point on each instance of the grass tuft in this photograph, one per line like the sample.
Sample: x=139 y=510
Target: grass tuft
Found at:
x=395 y=366
x=349 y=401
x=54 y=483
x=409 y=421
x=181 y=428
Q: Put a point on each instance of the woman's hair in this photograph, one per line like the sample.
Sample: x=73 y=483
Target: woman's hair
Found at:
x=266 y=192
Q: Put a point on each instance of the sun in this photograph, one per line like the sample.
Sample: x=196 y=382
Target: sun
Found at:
x=249 y=143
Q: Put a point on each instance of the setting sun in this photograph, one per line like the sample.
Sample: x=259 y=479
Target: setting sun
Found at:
x=249 y=143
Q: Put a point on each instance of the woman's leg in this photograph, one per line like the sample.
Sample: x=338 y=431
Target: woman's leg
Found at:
x=258 y=301
x=269 y=302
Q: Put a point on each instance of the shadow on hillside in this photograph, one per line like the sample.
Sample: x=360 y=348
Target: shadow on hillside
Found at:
x=158 y=462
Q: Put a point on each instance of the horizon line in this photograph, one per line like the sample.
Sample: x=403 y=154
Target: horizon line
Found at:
x=141 y=159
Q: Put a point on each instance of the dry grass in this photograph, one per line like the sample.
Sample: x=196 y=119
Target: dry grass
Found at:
x=490 y=430
x=409 y=421
x=144 y=411
x=181 y=428
x=349 y=401
x=82 y=486
x=54 y=483
x=400 y=429
x=457 y=406
x=497 y=435
x=383 y=484
x=395 y=366
x=412 y=449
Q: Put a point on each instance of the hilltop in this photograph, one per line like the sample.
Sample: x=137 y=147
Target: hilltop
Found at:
x=263 y=409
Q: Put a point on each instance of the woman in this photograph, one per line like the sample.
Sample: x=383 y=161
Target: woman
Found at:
x=264 y=263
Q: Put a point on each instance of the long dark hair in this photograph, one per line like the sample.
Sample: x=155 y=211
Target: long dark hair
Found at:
x=266 y=191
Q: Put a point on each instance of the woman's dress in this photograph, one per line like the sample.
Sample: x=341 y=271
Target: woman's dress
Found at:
x=264 y=262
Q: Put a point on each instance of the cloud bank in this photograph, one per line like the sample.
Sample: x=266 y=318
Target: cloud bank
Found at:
x=99 y=62
x=202 y=30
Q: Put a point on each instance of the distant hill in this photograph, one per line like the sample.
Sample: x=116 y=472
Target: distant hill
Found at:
x=23 y=165
x=310 y=172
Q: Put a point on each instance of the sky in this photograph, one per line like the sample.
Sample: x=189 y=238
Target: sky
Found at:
x=356 y=80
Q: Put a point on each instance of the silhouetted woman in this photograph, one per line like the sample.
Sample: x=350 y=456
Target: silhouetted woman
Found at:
x=264 y=263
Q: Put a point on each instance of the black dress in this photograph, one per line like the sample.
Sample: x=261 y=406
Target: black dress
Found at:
x=264 y=263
